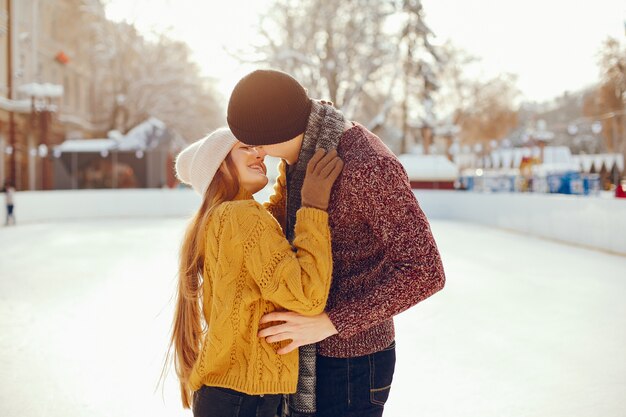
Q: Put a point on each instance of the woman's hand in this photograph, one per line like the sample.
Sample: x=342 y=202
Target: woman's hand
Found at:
x=321 y=173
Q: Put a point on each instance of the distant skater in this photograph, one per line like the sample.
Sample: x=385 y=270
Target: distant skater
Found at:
x=9 y=191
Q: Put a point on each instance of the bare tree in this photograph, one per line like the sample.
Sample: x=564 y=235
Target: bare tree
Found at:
x=455 y=90
x=612 y=92
x=136 y=78
x=336 y=49
x=372 y=58
x=420 y=62
x=483 y=108
x=490 y=111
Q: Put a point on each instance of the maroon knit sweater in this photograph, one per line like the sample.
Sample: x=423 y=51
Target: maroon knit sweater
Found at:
x=385 y=258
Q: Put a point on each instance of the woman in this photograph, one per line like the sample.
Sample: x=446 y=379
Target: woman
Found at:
x=236 y=266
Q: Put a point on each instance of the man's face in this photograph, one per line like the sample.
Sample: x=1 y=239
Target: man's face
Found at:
x=289 y=150
x=276 y=150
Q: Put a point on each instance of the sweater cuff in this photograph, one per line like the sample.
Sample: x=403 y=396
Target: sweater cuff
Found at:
x=338 y=320
x=310 y=214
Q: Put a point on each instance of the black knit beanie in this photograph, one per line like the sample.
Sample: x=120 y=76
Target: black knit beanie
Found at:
x=268 y=107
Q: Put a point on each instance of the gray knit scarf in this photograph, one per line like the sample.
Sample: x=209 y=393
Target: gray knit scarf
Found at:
x=324 y=129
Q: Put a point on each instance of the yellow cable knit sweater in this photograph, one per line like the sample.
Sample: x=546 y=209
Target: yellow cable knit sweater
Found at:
x=250 y=270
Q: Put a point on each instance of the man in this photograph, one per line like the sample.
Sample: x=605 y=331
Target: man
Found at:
x=385 y=259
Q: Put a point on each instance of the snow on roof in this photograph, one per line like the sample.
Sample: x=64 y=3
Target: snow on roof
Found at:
x=555 y=159
x=465 y=160
x=86 y=145
x=21 y=106
x=554 y=168
x=512 y=157
x=609 y=160
x=557 y=154
x=145 y=135
x=429 y=167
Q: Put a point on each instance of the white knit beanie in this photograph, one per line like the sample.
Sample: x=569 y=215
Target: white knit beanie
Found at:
x=197 y=164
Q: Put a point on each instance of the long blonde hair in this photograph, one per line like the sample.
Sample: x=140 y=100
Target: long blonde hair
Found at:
x=187 y=329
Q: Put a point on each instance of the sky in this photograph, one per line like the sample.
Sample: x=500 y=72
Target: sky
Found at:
x=550 y=45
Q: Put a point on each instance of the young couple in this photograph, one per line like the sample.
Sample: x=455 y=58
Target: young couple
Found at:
x=287 y=307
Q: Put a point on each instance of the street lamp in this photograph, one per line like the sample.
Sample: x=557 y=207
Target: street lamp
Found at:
x=42 y=150
x=596 y=127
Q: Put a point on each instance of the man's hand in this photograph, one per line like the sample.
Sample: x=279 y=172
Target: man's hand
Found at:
x=302 y=330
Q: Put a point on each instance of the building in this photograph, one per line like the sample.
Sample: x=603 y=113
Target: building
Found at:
x=69 y=74
x=134 y=160
x=8 y=107
x=45 y=85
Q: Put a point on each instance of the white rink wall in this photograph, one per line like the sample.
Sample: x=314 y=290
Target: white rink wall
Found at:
x=589 y=221
x=49 y=206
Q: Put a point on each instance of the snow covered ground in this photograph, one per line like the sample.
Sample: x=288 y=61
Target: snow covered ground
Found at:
x=524 y=327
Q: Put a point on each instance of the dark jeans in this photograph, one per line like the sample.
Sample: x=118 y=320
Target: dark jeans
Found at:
x=355 y=387
x=224 y=402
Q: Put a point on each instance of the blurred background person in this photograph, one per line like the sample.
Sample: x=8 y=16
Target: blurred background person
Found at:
x=9 y=192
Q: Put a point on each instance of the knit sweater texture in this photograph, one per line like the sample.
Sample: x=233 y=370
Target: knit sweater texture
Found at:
x=251 y=270
x=385 y=259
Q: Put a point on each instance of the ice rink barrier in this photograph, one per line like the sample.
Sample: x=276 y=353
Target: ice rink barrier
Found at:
x=588 y=221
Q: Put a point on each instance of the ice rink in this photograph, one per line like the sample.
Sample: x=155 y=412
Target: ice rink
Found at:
x=524 y=327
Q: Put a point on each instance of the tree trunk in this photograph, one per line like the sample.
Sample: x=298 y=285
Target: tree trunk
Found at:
x=427 y=137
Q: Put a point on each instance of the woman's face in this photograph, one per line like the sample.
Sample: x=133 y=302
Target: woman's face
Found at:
x=251 y=169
